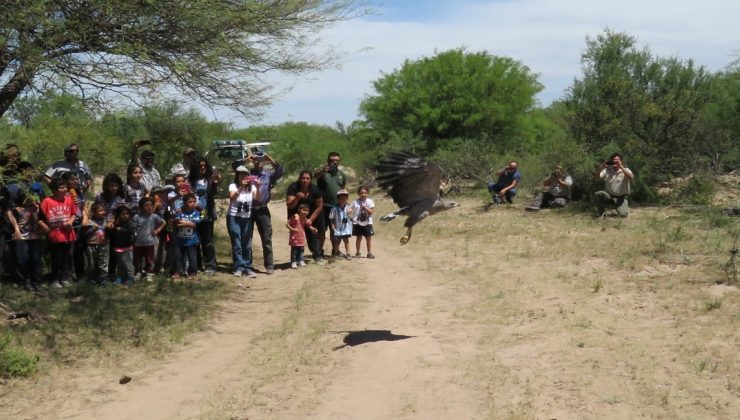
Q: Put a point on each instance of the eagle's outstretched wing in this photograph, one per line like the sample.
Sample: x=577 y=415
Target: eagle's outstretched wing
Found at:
x=409 y=179
x=413 y=183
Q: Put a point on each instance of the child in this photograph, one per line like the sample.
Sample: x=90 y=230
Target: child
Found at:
x=187 y=235
x=97 y=251
x=122 y=236
x=58 y=216
x=23 y=216
x=340 y=225
x=362 y=220
x=78 y=248
x=161 y=209
x=111 y=197
x=133 y=189
x=148 y=226
x=297 y=240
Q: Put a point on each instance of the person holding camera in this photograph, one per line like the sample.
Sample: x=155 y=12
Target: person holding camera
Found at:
x=558 y=186
x=242 y=193
x=330 y=179
x=260 y=212
x=617 y=179
x=505 y=186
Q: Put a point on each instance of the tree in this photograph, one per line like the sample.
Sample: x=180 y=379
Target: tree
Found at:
x=720 y=126
x=454 y=94
x=648 y=107
x=218 y=52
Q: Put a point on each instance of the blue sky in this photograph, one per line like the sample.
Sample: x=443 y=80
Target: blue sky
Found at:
x=546 y=35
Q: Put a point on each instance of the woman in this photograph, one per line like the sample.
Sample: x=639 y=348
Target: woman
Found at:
x=204 y=184
x=241 y=194
x=304 y=192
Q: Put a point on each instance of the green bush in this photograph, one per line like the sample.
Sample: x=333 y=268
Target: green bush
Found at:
x=16 y=362
x=698 y=190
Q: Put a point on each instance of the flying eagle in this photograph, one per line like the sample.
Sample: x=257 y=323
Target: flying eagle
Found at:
x=413 y=183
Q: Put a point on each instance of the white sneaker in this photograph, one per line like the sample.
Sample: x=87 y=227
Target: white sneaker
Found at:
x=238 y=273
x=302 y=263
x=293 y=265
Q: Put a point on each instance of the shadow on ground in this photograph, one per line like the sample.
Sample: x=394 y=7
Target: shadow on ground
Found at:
x=355 y=338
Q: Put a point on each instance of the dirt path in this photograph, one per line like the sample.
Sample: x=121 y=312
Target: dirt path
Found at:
x=448 y=326
x=410 y=377
x=408 y=369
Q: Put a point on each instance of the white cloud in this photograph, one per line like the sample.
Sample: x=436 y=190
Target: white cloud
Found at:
x=546 y=35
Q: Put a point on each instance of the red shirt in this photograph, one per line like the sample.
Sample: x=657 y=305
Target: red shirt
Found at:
x=56 y=215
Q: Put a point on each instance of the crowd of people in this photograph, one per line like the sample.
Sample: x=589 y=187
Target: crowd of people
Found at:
x=146 y=224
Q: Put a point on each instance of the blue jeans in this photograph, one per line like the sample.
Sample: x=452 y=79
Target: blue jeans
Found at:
x=188 y=259
x=495 y=188
x=296 y=254
x=28 y=268
x=240 y=232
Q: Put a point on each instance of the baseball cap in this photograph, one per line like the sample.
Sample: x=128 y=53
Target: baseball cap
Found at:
x=188 y=150
x=241 y=168
x=147 y=154
x=342 y=192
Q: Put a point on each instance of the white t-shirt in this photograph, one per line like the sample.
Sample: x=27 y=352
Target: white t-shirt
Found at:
x=356 y=212
x=242 y=206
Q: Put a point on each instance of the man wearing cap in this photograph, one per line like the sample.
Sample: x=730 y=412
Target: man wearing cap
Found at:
x=260 y=212
x=70 y=163
x=183 y=168
x=150 y=175
x=329 y=179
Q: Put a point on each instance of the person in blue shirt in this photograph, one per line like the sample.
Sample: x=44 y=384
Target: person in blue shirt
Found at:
x=187 y=236
x=505 y=186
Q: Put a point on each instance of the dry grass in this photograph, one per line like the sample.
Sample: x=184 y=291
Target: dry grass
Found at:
x=545 y=315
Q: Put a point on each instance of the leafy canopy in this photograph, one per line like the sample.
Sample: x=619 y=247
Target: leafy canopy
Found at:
x=219 y=52
x=455 y=94
x=649 y=108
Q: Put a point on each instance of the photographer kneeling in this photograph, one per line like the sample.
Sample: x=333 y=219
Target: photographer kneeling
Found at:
x=558 y=186
x=617 y=186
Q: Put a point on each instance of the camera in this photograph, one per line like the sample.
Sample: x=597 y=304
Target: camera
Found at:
x=259 y=156
x=344 y=221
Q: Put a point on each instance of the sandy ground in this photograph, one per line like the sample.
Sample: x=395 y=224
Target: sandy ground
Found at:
x=408 y=336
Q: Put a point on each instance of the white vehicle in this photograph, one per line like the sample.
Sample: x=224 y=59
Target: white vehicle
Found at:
x=228 y=151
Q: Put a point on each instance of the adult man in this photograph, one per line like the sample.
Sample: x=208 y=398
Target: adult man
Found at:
x=617 y=179
x=150 y=175
x=183 y=168
x=71 y=162
x=558 y=186
x=505 y=186
x=260 y=212
x=330 y=180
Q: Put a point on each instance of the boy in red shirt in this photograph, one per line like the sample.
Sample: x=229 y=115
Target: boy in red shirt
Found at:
x=57 y=217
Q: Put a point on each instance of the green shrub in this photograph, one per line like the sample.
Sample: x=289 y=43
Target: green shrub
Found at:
x=16 y=362
x=698 y=191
